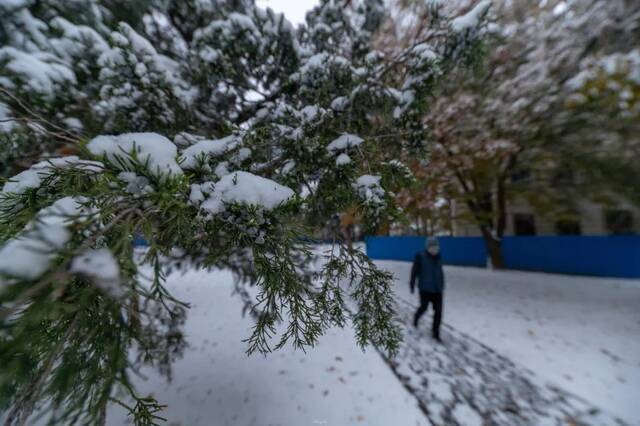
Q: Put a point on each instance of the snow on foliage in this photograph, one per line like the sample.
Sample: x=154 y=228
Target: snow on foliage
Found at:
x=101 y=267
x=185 y=139
x=76 y=38
x=6 y=125
x=206 y=148
x=157 y=153
x=30 y=254
x=32 y=177
x=369 y=189
x=343 y=142
x=208 y=117
x=136 y=80
x=617 y=74
x=135 y=184
x=240 y=188
x=425 y=52
x=41 y=71
x=472 y=18
x=343 y=159
x=319 y=67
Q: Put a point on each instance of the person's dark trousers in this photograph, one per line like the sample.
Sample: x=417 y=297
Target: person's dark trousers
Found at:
x=435 y=299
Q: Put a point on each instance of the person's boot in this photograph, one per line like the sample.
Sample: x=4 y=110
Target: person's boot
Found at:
x=436 y=337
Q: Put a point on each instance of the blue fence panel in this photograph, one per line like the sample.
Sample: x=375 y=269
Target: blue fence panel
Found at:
x=605 y=256
x=466 y=251
x=139 y=241
x=394 y=248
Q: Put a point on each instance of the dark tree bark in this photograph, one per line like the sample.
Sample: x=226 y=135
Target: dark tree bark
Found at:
x=494 y=248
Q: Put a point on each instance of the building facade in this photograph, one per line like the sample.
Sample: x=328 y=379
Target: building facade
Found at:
x=589 y=219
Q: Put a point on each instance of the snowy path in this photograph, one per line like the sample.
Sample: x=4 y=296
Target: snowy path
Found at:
x=576 y=333
x=465 y=383
x=215 y=383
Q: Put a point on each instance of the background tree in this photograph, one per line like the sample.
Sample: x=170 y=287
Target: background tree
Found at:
x=502 y=131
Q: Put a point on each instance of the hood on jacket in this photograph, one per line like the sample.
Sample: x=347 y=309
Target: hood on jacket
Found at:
x=432 y=245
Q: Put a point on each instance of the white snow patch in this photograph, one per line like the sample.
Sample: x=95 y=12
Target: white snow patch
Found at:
x=30 y=254
x=425 y=52
x=13 y=4
x=242 y=188
x=42 y=71
x=471 y=18
x=158 y=152
x=339 y=103
x=32 y=177
x=221 y=169
x=241 y=155
x=288 y=166
x=343 y=159
x=207 y=148
x=368 y=187
x=76 y=39
x=333 y=384
x=344 y=141
x=135 y=184
x=576 y=332
x=6 y=125
x=73 y=123
x=21 y=182
x=101 y=267
x=466 y=415
x=185 y=139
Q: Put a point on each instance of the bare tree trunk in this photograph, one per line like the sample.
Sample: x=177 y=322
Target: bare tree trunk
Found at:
x=494 y=248
x=348 y=234
x=494 y=241
x=481 y=206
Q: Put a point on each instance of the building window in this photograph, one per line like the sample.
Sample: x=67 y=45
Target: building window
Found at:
x=524 y=224
x=522 y=175
x=619 y=222
x=568 y=227
x=563 y=177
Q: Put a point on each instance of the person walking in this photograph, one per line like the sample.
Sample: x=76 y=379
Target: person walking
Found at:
x=427 y=270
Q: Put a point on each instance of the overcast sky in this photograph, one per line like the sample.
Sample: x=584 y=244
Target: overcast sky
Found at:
x=294 y=10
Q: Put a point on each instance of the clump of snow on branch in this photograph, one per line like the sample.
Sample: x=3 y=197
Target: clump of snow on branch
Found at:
x=101 y=267
x=154 y=151
x=135 y=184
x=369 y=189
x=135 y=78
x=343 y=159
x=41 y=71
x=33 y=176
x=343 y=142
x=30 y=254
x=185 y=139
x=240 y=188
x=206 y=148
x=472 y=18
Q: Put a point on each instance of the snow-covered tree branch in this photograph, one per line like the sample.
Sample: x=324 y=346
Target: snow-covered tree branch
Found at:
x=222 y=136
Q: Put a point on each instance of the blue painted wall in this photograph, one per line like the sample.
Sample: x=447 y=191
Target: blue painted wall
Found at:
x=605 y=256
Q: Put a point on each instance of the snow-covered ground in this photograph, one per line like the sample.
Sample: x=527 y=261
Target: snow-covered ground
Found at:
x=580 y=333
x=215 y=383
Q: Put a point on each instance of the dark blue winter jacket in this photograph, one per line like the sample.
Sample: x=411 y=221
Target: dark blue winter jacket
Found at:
x=428 y=270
